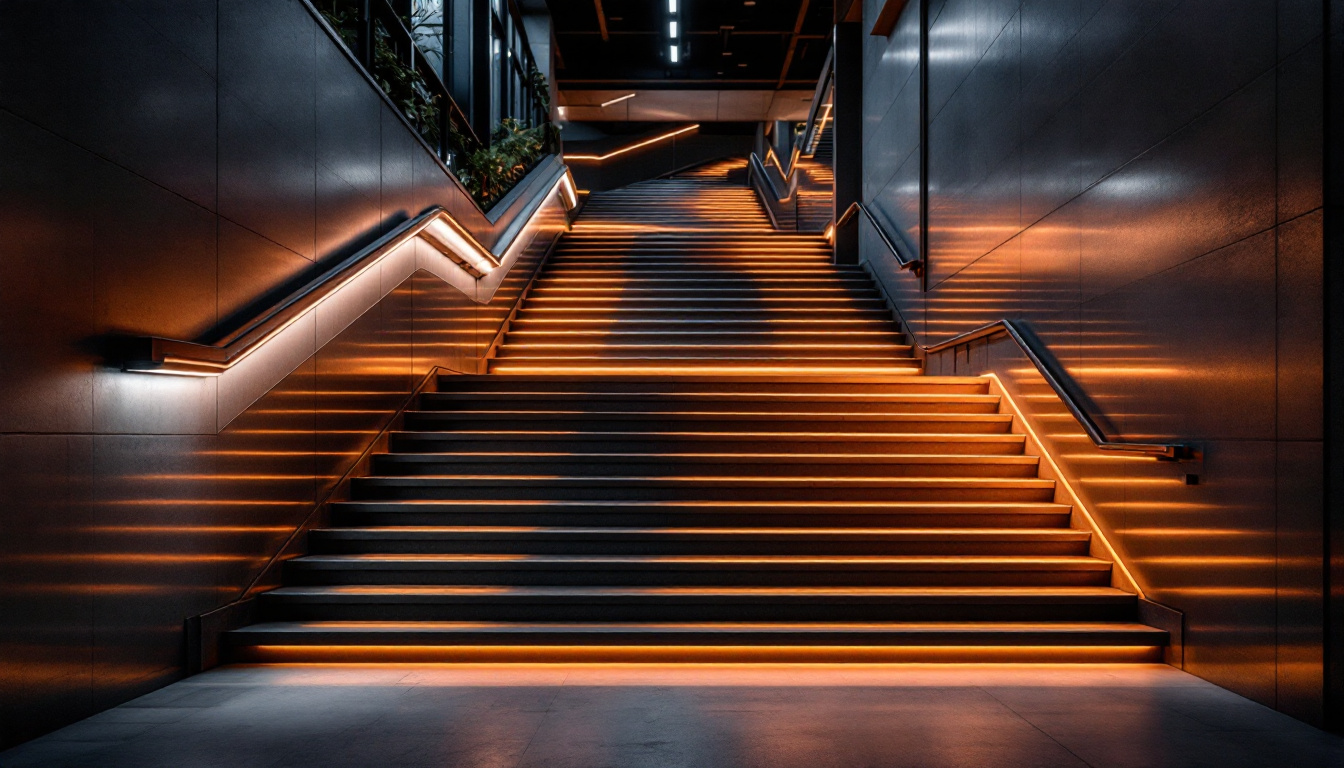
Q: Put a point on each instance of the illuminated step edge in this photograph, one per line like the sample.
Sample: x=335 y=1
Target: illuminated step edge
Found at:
x=669 y=642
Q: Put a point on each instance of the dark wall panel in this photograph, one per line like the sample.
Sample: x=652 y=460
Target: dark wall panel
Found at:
x=1140 y=181
x=171 y=168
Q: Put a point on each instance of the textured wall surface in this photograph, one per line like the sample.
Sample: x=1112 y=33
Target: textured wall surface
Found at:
x=169 y=168
x=1140 y=181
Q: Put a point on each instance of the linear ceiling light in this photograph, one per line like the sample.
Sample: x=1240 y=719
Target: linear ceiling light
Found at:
x=672 y=28
x=671 y=6
x=618 y=99
x=676 y=55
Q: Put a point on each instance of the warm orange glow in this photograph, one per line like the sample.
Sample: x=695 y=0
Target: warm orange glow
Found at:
x=619 y=654
x=1063 y=481
x=632 y=147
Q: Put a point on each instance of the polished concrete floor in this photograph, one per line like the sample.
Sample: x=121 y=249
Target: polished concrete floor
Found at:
x=786 y=716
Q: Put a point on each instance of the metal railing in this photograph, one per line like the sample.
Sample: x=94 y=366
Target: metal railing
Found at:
x=819 y=113
x=780 y=207
x=1168 y=451
x=379 y=41
x=1038 y=357
x=905 y=260
x=436 y=227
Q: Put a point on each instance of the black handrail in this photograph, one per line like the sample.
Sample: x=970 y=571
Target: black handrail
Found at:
x=436 y=227
x=770 y=198
x=814 y=130
x=1168 y=451
x=1010 y=328
x=906 y=261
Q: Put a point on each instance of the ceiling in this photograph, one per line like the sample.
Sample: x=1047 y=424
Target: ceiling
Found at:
x=726 y=44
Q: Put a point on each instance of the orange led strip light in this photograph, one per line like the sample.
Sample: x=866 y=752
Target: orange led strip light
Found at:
x=632 y=147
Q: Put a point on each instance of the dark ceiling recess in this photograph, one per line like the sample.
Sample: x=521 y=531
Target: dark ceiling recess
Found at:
x=750 y=44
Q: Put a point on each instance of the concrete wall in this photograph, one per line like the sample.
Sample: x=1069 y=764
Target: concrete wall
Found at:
x=168 y=168
x=1140 y=180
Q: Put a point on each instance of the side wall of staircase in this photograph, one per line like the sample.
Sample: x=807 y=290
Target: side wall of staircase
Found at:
x=200 y=160
x=1159 y=227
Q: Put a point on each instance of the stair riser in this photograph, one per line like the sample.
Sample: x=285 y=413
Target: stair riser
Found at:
x=371 y=489
x=766 y=355
x=765 y=650
x=749 y=327
x=433 y=421
x=716 y=303
x=523 y=546
x=657 y=443
x=791 y=610
x=668 y=466
x=910 y=385
x=664 y=576
x=751 y=285
x=355 y=516
x=623 y=339
x=712 y=314
x=670 y=402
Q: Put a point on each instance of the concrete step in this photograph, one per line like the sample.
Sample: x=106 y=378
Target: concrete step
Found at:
x=698 y=641
x=655 y=420
x=697 y=570
x=691 y=604
x=768 y=351
x=833 y=443
x=560 y=540
x=825 y=385
x=700 y=488
x=665 y=464
x=737 y=402
x=703 y=514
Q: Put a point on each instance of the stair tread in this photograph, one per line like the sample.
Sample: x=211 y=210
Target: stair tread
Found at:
x=907 y=594
x=940 y=507
x=529 y=532
x=922 y=437
x=767 y=628
x=846 y=562
x=736 y=458
x=708 y=480
x=828 y=416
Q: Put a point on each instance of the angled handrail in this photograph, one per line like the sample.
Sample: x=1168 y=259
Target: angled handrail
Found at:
x=1169 y=451
x=815 y=129
x=758 y=166
x=1166 y=451
x=436 y=227
x=855 y=208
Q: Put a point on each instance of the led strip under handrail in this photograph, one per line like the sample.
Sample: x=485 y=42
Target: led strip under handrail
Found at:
x=436 y=227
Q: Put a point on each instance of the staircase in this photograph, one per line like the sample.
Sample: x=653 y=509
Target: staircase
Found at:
x=700 y=441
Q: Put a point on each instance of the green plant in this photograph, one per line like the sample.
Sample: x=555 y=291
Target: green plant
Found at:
x=344 y=20
x=402 y=83
x=541 y=87
x=405 y=86
x=490 y=172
